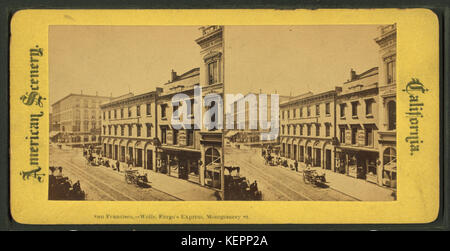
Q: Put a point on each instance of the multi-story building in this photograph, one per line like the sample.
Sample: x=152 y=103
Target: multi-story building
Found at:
x=180 y=153
x=140 y=127
x=129 y=129
x=246 y=129
x=357 y=126
x=387 y=107
x=307 y=129
x=367 y=118
x=77 y=119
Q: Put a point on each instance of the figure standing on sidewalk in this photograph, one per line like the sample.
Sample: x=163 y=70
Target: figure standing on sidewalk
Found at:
x=118 y=166
x=296 y=165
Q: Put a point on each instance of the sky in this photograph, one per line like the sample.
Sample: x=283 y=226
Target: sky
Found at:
x=291 y=60
x=288 y=60
x=118 y=59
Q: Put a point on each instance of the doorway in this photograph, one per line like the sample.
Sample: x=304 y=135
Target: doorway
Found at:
x=150 y=159
x=318 y=159
x=328 y=159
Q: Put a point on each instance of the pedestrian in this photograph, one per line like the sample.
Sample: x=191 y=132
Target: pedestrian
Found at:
x=296 y=165
x=118 y=165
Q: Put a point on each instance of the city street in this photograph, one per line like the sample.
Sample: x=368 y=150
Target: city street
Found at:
x=101 y=183
x=278 y=183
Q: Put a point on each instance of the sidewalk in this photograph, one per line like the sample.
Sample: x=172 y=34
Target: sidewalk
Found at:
x=182 y=189
x=357 y=188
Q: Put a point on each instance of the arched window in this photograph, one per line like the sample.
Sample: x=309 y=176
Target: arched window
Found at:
x=391 y=109
x=212 y=156
x=389 y=155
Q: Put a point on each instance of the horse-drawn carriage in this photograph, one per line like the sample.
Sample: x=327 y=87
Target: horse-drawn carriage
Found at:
x=133 y=176
x=313 y=177
x=240 y=188
x=62 y=188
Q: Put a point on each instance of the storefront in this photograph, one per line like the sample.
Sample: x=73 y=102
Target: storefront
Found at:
x=317 y=156
x=360 y=163
x=161 y=161
x=328 y=156
x=289 y=154
x=150 y=154
x=180 y=162
x=116 y=149
x=308 y=151
x=138 y=149
x=213 y=161
x=211 y=171
x=390 y=167
x=301 y=150
x=122 y=150
x=130 y=151
x=295 y=149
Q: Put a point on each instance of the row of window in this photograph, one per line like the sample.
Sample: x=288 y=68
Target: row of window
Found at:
x=113 y=130
x=189 y=139
x=288 y=113
x=354 y=107
x=292 y=129
x=368 y=136
x=114 y=113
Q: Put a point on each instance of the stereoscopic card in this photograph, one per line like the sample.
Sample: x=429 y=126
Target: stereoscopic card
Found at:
x=224 y=116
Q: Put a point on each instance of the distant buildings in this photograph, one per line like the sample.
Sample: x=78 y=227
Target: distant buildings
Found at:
x=76 y=119
x=243 y=119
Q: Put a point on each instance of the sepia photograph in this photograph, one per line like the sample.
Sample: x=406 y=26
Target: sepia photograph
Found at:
x=143 y=113
x=224 y=117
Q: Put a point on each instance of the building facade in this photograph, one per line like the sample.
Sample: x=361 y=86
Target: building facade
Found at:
x=76 y=119
x=212 y=83
x=357 y=153
x=307 y=128
x=180 y=152
x=140 y=128
x=387 y=108
x=129 y=130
